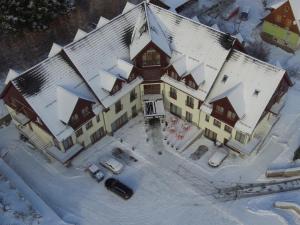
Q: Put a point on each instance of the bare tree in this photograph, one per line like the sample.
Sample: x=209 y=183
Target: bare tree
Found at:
x=258 y=50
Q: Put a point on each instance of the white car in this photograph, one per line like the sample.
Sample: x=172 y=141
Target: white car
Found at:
x=217 y=158
x=96 y=173
x=113 y=165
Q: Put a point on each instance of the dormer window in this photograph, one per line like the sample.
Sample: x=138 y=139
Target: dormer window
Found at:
x=231 y=115
x=191 y=84
x=131 y=77
x=224 y=79
x=256 y=92
x=85 y=111
x=151 y=58
x=219 y=110
x=75 y=117
x=173 y=75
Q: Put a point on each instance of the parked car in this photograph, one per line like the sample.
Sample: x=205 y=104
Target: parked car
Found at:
x=217 y=158
x=118 y=188
x=96 y=173
x=113 y=165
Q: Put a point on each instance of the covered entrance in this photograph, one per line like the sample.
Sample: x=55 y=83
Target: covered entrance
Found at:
x=154 y=106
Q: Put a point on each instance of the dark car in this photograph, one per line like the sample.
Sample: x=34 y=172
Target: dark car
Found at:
x=118 y=188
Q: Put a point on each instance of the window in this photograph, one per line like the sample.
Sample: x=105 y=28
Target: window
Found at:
x=228 y=129
x=79 y=132
x=173 y=93
x=89 y=125
x=98 y=118
x=231 y=115
x=189 y=116
x=67 y=143
x=240 y=137
x=133 y=95
x=134 y=111
x=191 y=84
x=219 y=110
x=190 y=102
x=97 y=135
x=207 y=117
x=118 y=106
x=75 y=117
x=151 y=57
x=217 y=123
x=85 y=111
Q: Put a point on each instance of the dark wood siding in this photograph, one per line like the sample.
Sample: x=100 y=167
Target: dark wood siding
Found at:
x=81 y=104
x=118 y=84
x=152 y=89
x=16 y=101
x=151 y=73
x=188 y=79
x=225 y=103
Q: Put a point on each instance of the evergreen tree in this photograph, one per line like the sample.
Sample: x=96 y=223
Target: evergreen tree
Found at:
x=33 y=14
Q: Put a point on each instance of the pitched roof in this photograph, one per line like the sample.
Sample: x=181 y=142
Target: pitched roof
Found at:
x=102 y=21
x=38 y=85
x=249 y=85
x=107 y=80
x=12 y=74
x=55 y=49
x=295 y=4
x=79 y=34
x=122 y=69
x=198 y=74
x=128 y=7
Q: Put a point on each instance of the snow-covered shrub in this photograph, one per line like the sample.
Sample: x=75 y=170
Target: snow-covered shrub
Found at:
x=297 y=154
x=258 y=50
x=33 y=14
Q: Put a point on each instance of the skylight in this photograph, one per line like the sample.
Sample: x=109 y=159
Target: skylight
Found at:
x=256 y=92
x=224 y=79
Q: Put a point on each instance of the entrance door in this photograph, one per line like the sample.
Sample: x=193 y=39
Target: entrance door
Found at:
x=152 y=89
x=210 y=134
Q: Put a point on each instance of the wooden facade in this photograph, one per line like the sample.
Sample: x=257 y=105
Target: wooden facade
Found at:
x=227 y=106
x=79 y=117
x=151 y=73
x=283 y=17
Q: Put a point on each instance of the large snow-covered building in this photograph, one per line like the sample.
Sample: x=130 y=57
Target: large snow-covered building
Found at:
x=147 y=59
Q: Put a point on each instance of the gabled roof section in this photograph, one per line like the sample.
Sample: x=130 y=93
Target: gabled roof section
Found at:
x=107 y=80
x=295 y=4
x=235 y=95
x=79 y=34
x=146 y=30
x=275 y=4
x=66 y=102
x=12 y=74
x=122 y=69
x=55 y=49
x=128 y=7
x=38 y=86
x=179 y=64
x=198 y=74
x=102 y=21
x=250 y=85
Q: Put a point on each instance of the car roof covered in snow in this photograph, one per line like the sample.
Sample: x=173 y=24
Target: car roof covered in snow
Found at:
x=249 y=85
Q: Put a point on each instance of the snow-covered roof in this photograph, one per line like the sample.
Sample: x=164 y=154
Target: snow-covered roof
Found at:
x=55 y=49
x=216 y=27
x=38 y=86
x=102 y=21
x=127 y=7
x=122 y=69
x=173 y=4
x=66 y=102
x=12 y=74
x=249 y=85
x=79 y=34
x=107 y=80
x=198 y=74
x=295 y=4
x=275 y=4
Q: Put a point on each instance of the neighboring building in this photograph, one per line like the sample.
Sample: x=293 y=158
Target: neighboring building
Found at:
x=282 y=26
x=173 y=5
x=146 y=59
